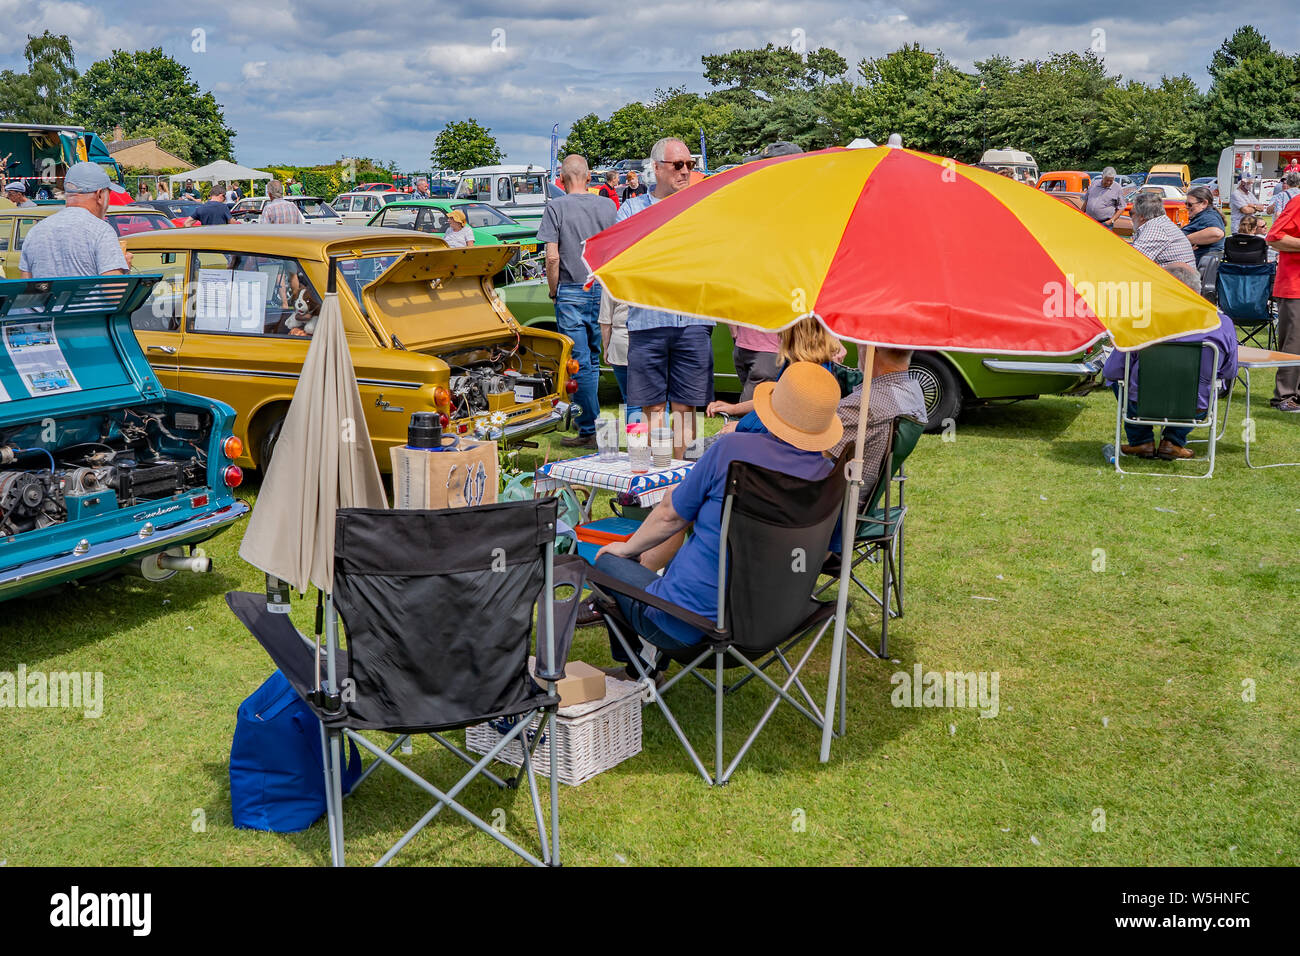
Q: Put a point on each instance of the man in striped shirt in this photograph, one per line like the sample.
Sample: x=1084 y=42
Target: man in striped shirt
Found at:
x=278 y=211
x=1156 y=236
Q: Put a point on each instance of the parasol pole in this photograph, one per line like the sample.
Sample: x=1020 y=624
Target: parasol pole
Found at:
x=331 y=668
x=848 y=532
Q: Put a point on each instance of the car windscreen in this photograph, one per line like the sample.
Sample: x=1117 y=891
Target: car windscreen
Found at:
x=481 y=215
x=1164 y=179
x=315 y=209
x=359 y=272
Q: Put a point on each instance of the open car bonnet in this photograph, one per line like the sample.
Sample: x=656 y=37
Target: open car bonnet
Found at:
x=436 y=296
x=66 y=346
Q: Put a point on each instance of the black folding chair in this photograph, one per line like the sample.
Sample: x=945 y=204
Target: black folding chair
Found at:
x=879 y=534
x=438 y=610
x=775 y=532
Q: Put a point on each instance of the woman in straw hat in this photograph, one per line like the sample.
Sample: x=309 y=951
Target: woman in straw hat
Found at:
x=800 y=414
x=458 y=235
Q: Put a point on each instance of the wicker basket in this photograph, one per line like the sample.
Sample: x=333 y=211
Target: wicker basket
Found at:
x=593 y=736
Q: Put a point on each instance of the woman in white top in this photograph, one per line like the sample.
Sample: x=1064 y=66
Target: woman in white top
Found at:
x=458 y=235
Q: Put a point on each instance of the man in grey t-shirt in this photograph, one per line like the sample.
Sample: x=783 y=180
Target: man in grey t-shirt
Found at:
x=566 y=224
x=1104 y=200
x=75 y=241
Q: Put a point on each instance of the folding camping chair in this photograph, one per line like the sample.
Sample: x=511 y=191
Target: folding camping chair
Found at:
x=879 y=535
x=775 y=529
x=1168 y=383
x=438 y=609
x=1245 y=296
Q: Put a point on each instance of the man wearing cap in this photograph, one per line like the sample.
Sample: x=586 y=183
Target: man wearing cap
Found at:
x=1243 y=202
x=16 y=193
x=1104 y=200
x=76 y=241
x=799 y=412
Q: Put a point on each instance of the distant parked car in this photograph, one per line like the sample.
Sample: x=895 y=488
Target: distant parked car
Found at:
x=15 y=223
x=180 y=211
x=359 y=207
x=373 y=188
x=314 y=210
x=1210 y=182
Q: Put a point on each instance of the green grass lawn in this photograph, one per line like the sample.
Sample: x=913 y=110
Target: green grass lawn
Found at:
x=1121 y=691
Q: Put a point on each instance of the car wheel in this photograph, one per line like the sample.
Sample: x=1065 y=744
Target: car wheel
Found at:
x=939 y=386
x=268 y=445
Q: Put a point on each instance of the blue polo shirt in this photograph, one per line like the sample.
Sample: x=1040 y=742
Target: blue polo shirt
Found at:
x=691 y=579
x=1207 y=218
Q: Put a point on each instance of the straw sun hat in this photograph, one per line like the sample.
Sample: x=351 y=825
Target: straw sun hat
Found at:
x=457 y=217
x=801 y=407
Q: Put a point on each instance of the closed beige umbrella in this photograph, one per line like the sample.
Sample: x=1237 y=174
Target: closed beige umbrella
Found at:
x=323 y=461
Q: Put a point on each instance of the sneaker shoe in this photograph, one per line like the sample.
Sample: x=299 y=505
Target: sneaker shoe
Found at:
x=1289 y=405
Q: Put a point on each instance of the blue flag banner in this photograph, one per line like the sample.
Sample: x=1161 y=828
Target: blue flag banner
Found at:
x=704 y=153
x=555 y=151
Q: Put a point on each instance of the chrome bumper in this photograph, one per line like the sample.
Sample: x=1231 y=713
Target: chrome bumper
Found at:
x=537 y=426
x=107 y=553
x=1089 y=368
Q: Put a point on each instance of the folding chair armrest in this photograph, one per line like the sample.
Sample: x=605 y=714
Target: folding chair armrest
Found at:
x=609 y=583
x=569 y=571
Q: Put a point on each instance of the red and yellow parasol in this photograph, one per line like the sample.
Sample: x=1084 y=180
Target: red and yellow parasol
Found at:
x=892 y=247
x=898 y=248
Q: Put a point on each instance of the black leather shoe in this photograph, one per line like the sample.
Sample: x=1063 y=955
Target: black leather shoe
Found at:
x=579 y=441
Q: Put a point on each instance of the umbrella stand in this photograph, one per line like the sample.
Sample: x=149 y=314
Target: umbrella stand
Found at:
x=848 y=529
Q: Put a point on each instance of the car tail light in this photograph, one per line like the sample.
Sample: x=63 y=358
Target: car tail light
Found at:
x=571 y=386
x=444 y=421
x=573 y=366
x=555 y=400
x=441 y=398
x=232 y=447
x=233 y=476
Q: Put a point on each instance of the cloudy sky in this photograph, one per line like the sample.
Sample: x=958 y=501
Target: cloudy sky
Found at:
x=308 y=82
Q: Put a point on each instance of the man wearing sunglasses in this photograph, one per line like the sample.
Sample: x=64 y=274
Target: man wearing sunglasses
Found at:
x=669 y=356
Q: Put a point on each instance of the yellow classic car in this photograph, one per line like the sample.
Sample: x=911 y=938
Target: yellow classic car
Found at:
x=233 y=319
x=15 y=223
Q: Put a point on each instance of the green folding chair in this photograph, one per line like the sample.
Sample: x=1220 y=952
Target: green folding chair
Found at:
x=879 y=534
x=1168 y=386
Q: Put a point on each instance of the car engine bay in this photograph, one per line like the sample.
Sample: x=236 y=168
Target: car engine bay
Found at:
x=491 y=378
x=99 y=463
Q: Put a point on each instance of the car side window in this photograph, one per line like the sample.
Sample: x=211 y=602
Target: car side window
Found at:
x=162 y=311
x=432 y=220
x=243 y=294
x=399 y=218
x=372 y=203
x=6 y=230
x=344 y=203
x=24 y=227
x=503 y=190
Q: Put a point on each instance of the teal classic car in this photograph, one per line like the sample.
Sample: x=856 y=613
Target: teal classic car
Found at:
x=950 y=381
x=100 y=467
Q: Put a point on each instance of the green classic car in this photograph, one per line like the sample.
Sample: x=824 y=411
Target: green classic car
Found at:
x=950 y=381
x=430 y=215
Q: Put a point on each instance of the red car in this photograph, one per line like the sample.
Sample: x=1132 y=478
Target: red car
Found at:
x=373 y=187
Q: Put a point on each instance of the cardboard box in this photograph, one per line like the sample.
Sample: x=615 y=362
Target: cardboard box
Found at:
x=453 y=478
x=582 y=683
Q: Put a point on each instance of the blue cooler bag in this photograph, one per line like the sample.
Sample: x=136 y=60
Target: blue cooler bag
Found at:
x=277 y=773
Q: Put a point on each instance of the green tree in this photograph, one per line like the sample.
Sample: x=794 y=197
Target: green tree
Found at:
x=770 y=70
x=43 y=93
x=1140 y=125
x=465 y=144
x=1259 y=96
x=1050 y=108
x=142 y=88
x=915 y=93
x=1245 y=41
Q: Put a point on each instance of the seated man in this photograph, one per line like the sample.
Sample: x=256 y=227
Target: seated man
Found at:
x=799 y=412
x=894 y=393
x=1173 y=441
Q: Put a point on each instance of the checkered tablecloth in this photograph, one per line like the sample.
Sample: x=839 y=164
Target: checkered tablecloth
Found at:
x=590 y=472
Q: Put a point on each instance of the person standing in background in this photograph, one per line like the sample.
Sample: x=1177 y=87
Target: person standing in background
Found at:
x=566 y=224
